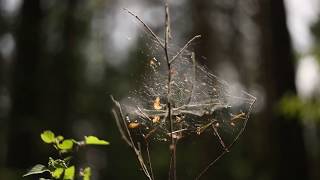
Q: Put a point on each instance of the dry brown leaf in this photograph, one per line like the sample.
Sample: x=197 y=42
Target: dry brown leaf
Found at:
x=156 y=104
x=133 y=125
x=156 y=119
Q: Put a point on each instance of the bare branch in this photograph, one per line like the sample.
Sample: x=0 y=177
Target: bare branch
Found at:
x=233 y=142
x=123 y=134
x=219 y=137
x=144 y=114
x=130 y=141
x=149 y=159
x=146 y=26
x=210 y=164
x=184 y=48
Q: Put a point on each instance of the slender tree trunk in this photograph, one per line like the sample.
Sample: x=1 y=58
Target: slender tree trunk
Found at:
x=24 y=88
x=283 y=149
x=45 y=85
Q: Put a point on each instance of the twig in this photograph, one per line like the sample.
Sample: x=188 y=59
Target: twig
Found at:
x=194 y=75
x=219 y=137
x=151 y=132
x=197 y=105
x=177 y=131
x=184 y=47
x=147 y=27
x=144 y=114
x=212 y=163
x=204 y=127
x=172 y=171
x=123 y=122
x=149 y=159
x=172 y=167
x=233 y=142
x=129 y=140
x=120 y=128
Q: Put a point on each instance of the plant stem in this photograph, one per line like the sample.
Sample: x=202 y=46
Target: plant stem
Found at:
x=172 y=171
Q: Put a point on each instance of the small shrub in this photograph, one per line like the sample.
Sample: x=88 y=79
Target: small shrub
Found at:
x=61 y=168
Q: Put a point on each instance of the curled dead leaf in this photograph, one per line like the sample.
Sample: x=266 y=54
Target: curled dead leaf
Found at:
x=156 y=104
x=156 y=119
x=133 y=125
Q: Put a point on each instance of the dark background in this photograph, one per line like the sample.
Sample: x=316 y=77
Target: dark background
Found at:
x=60 y=61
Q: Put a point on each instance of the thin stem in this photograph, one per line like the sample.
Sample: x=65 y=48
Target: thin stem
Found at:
x=233 y=142
x=219 y=137
x=193 y=57
x=149 y=159
x=212 y=163
x=144 y=114
x=184 y=47
x=123 y=134
x=172 y=171
x=129 y=139
x=146 y=26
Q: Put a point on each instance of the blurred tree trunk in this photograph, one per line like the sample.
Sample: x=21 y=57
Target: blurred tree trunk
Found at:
x=46 y=77
x=284 y=148
x=275 y=142
x=3 y=117
x=25 y=87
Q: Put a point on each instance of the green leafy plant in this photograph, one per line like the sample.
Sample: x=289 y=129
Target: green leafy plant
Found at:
x=62 y=168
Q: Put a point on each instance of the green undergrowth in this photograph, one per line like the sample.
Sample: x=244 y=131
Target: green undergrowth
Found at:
x=61 y=168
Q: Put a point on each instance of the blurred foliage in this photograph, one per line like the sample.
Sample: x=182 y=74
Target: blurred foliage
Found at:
x=293 y=106
x=315 y=29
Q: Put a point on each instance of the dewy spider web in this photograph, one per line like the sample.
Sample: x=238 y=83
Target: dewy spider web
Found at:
x=200 y=103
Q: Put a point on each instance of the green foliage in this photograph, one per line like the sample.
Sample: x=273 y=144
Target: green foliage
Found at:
x=86 y=173
x=57 y=173
x=61 y=168
x=66 y=145
x=48 y=137
x=37 y=169
x=95 y=141
x=69 y=173
x=293 y=106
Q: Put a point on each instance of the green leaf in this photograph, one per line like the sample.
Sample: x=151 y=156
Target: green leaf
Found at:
x=57 y=173
x=57 y=163
x=37 y=169
x=86 y=173
x=47 y=136
x=59 y=138
x=95 y=141
x=66 y=144
x=69 y=173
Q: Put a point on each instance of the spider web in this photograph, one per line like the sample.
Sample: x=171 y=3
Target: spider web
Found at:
x=201 y=103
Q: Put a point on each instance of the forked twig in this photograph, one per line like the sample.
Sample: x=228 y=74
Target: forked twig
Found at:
x=128 y=138
x=184 y=48
x=147 y=27
x=144 y=114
